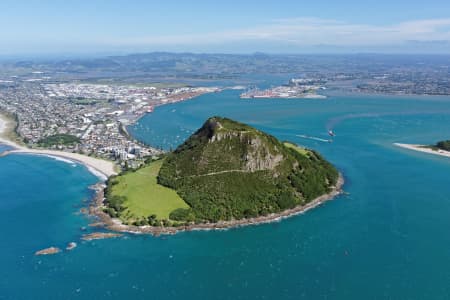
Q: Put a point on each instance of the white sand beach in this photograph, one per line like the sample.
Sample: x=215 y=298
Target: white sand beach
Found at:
x=3 y=127
x=424 y=149
x=101 y=168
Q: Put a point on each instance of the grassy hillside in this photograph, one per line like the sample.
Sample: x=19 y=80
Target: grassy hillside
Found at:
x=302 y=151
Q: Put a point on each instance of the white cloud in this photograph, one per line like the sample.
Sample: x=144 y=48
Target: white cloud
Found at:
x=309 y=32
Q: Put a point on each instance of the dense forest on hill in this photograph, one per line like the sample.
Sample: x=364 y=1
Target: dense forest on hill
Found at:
x=228 y=170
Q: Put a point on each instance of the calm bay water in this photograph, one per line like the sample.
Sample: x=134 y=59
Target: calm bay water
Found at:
x=387 y=239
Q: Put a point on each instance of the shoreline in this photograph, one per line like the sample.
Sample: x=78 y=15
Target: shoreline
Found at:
x=170 y=100
x=423 y=149
x=104 y=169
x=97 y=205
x=100 y=168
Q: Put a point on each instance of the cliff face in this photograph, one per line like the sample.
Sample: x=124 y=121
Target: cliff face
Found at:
x=228 y=170
x=223 y=145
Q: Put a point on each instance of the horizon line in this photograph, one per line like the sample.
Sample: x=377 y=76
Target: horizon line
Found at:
x=108 y=54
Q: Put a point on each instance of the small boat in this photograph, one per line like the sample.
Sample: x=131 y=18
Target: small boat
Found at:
x=331 y=133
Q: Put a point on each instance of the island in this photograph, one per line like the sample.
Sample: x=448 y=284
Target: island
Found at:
x=226 y=174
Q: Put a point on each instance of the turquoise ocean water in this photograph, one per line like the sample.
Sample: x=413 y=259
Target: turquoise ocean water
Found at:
x=387 y=239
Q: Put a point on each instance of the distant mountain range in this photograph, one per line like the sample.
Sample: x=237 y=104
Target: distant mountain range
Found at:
x=230 y=64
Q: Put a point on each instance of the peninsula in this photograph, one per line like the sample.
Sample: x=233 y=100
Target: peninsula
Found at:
x=226 y=174
x=441 y=148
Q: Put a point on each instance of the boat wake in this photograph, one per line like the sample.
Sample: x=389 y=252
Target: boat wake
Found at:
x=313 y=138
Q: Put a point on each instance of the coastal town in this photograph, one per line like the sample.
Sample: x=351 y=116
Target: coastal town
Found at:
x=89 y=119
x=296 y=88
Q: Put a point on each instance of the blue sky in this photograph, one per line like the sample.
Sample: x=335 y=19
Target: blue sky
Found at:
x=296 y=26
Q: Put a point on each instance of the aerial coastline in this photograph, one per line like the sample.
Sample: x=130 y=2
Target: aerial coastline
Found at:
x=224 y=150
x=114 y=224
x=103 y=169
x=127 y=190
x=99 y=167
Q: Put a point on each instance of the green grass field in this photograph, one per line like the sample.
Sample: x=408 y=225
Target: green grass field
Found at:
x=145 y=196
x=300 y=150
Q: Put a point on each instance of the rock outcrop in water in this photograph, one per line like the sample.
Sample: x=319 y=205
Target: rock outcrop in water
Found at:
x=48 y=251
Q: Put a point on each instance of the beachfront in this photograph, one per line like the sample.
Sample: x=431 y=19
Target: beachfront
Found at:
x=423 y=148
x=101 y=168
